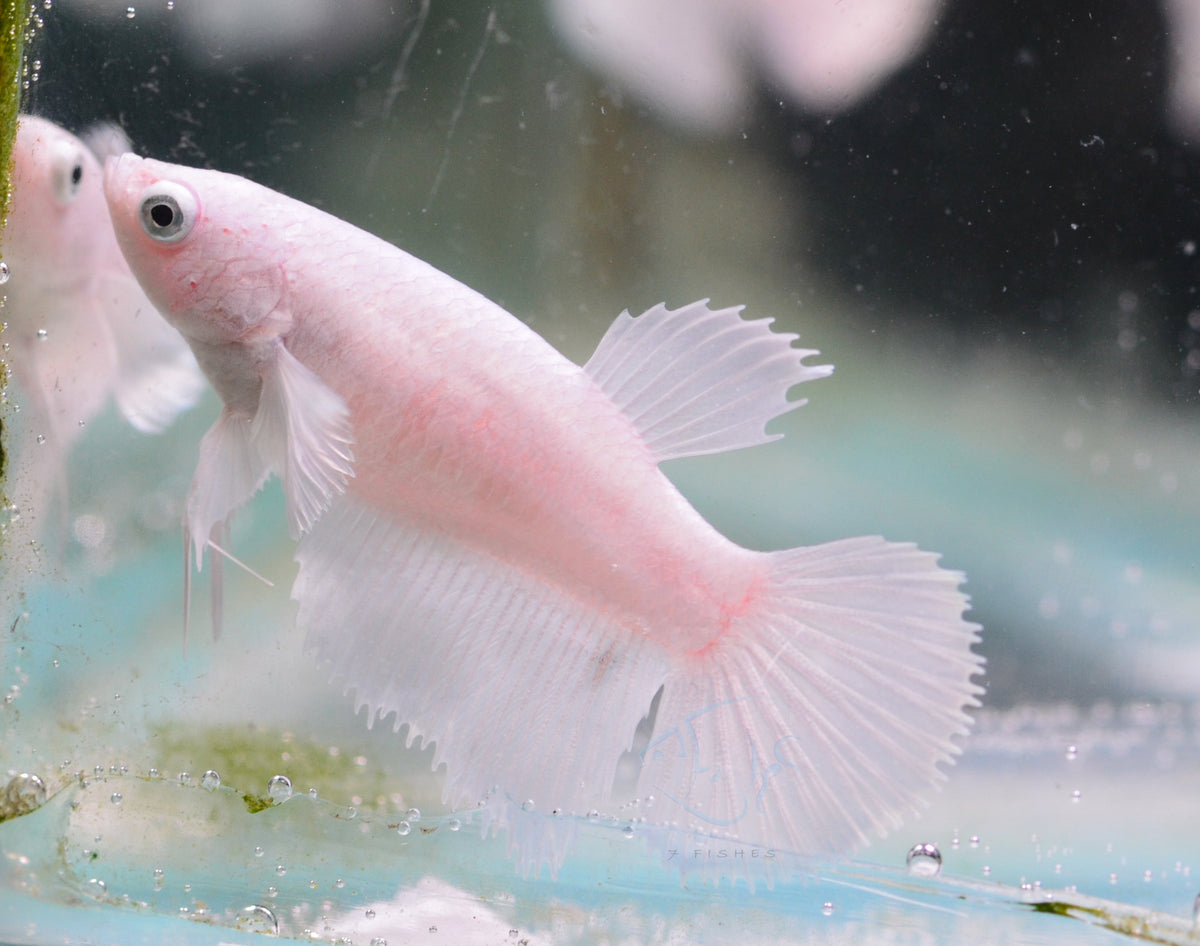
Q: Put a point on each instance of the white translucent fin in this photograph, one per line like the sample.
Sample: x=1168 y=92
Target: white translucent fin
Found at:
x=230 y=470
x=516 y=683
x=303 y=426
x=156 y=377
x=821 y=717
x=697 y=380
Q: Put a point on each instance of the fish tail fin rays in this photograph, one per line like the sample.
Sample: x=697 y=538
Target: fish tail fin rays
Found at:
x=518 y=686
x=696 y=380
x=821 y=718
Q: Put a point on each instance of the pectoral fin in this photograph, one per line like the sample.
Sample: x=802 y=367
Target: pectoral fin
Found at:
x=303 y=427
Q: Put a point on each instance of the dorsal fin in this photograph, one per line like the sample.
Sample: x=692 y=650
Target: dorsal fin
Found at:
x=696 y=380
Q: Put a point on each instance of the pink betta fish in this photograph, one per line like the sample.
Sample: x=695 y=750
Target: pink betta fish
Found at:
x=489 y=551
x=79 y=330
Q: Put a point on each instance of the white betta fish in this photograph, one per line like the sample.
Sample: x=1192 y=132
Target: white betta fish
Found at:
x=489 y=551
x=79 y=330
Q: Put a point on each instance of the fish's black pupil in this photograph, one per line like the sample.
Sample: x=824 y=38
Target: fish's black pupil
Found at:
x=162 y=215
x=76 y=174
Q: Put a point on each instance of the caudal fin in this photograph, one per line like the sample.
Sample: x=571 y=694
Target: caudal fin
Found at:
x=822 y=718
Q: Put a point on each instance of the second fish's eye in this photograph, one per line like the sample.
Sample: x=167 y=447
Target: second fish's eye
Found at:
x=168 y=211
x=66 y=169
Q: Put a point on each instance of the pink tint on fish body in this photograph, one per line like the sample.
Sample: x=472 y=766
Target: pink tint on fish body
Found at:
x=489 y=551
x=80 y=331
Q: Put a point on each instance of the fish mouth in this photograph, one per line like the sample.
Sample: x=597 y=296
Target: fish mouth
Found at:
x=121 y=176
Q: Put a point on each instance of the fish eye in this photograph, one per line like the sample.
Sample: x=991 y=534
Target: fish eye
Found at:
x=168 y=211
x=66 y=170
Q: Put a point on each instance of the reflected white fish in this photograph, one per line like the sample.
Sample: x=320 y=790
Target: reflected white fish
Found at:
x=79 y=331
x=489 y=551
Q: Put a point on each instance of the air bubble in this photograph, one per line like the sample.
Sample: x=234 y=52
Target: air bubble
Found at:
x=280 y=869
x=1072 y=753
x=527 y=805
x=413 y=815
x=42 y=335
x=4 y=272
x=378 y=941
x=1076 y=795
x=370 y=914
x=97 y=888
x=627 y=830
x=453 y=824
x=24 y=793
x=827 y=908
x=116 y=798
x=210 y=780
x=403 y=828
x=130 y=13
x=924 y=860
x=257 y=919
x=279 y=788
x=258 y=850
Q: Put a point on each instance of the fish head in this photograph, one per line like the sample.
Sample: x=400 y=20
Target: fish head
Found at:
x=58 y=221
x=203 y=245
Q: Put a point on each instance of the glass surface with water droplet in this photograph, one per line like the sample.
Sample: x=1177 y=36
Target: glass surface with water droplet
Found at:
x=924 y=860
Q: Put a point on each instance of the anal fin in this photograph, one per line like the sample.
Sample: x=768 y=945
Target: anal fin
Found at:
x=517 y=684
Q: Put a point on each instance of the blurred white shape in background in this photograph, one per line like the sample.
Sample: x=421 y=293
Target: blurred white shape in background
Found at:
x=699 y=61
x=306 y=35
x=1183 y=52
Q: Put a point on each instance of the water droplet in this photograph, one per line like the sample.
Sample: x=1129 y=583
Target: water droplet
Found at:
x=257 y=919
x=272 y=891
x=210 y=780
x=1072 y=753
x=924 y=860
x=513 y=934
x=279 y=788
x=1076 y=795
x=23 y=793
x=339 y=883
x=974 y=840
x=41 y=438
x=158 y=878
x=527 y=805
x=42 y=334
x=378 y=941
x=130 y=13
x=170 y=4
x=97 y=888
x=453 y=824
x=4 y=272
x=413 y=815
x=258 y=851
x=280 y=869
x=403 y=828
x=827 y=908
x=370 y=914
x=116 y=798
x=627 y=830
x=185 y=778
x=312 y=793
